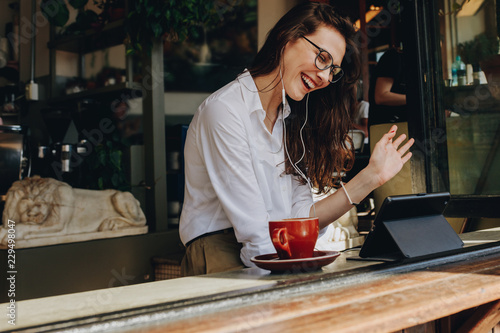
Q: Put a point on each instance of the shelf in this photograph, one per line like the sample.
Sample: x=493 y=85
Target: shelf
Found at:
x=467 y=87
x=109 y=91
x=111 y=34
x=9 y=114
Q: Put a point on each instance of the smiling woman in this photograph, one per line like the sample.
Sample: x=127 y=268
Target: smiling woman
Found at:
x=324 y=71
x=324 y=61
x=257 y=146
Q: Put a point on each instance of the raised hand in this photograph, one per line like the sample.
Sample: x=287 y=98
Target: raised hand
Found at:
x=388 y=157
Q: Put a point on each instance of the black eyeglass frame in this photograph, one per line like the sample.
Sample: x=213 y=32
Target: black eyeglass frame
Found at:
x=331 y=66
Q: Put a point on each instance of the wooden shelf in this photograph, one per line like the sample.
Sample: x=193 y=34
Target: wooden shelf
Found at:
x=103 y=92
x=9 y=114
x=111 y=34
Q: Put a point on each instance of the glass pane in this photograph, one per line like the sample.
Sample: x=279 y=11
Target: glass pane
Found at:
x=469 y=52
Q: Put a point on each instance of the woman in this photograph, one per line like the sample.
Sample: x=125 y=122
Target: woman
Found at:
x=239 y=173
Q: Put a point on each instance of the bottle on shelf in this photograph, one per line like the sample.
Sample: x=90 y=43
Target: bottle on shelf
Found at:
x=458 y=73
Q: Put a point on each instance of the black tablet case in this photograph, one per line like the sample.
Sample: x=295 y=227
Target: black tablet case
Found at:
x=411 y=227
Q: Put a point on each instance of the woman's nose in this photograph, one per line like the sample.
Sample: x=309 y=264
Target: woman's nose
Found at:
x=325 y=76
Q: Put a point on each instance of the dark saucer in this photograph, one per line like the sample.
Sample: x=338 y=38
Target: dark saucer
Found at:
x=272 y=263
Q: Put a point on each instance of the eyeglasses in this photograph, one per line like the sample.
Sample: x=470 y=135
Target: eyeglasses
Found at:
x=324 y=61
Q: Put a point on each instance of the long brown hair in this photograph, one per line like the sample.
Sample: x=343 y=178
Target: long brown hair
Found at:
x=325 y=134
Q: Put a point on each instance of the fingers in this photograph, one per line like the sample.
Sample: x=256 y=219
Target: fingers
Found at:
x=399 y=140
x=387 y=137
x=406 y=146
x=406 y=158
x=392 y=132
x=402 y=151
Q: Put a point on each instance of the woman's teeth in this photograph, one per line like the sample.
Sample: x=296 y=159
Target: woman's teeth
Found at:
x=308 y=81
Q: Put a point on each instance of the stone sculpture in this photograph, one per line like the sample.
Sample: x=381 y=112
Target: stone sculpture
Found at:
x=46 y=211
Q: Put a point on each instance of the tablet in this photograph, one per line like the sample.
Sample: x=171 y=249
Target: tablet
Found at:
x=411 y=226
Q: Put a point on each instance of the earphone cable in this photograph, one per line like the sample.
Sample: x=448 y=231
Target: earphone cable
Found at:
x=294 y=165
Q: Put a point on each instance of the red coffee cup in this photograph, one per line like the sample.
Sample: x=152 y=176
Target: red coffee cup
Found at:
x=294 y=238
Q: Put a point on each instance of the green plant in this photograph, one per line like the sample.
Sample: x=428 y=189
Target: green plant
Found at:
x=104 y=167
x=456 y=6
x=57 y=13
x=481 y=48
x=172 y=20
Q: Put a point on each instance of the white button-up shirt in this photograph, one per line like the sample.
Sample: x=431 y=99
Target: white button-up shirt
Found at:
x=234 y=171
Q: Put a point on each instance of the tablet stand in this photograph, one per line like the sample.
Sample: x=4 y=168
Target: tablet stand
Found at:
x=410 y=238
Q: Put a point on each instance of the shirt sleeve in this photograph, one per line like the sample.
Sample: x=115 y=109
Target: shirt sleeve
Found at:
x=228 y=158
x=302 y=199
x=303 y=202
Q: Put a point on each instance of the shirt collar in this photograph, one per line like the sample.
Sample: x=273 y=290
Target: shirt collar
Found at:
x=250 y=94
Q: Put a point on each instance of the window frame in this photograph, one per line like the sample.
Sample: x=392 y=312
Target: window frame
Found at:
x=426 y=119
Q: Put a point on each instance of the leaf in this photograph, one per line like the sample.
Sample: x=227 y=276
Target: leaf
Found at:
x=102 y=157
x=116 y=158
x=157 y=30
x=55 y=11
x=115 y=180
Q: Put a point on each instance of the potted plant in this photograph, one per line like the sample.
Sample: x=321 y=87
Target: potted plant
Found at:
x=490 y=59
x=479 y=52
x=483 y=50
x=57 y=13
x=171 y=20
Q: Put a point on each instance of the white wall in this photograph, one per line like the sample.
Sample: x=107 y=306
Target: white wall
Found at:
x=269 y=12
x=471 y=26
x=95 y=61
x=176 y=103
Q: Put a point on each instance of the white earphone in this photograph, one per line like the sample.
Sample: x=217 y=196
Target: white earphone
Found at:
x=295 y=165
x=283 y=94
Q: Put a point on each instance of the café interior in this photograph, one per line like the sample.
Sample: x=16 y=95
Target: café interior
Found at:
x=91 y=107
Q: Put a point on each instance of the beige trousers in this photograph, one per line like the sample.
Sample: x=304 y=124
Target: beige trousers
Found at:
x=212 y=254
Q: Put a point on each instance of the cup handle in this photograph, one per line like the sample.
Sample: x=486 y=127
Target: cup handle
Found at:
x=280 y=241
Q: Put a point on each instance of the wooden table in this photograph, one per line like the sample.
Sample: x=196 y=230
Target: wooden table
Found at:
x=386 y=304
x=346 y=296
